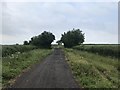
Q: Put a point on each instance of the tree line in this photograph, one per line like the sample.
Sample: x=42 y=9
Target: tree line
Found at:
x=69 y=39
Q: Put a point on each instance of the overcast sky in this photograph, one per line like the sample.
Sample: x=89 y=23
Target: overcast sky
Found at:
x=23 y=20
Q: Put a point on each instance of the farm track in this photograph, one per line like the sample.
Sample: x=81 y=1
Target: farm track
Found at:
x=53 y=72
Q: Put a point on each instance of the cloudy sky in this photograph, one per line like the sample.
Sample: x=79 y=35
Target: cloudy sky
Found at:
x=23 y=20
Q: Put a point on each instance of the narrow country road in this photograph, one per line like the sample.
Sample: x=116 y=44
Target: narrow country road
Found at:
x=53 y=72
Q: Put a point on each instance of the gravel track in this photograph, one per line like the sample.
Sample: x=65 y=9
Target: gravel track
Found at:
x=52 y=72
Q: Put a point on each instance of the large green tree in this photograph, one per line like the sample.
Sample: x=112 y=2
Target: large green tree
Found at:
x=43 y=40
x=72 y=38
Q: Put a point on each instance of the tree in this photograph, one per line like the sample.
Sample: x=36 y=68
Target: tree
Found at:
x=43 y=40
x=59 y=42
x=72 y=38
x=16 y=44
x=26 y=43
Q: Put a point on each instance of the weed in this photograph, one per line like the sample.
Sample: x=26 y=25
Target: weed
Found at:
x=12 y=67
x=93 y=71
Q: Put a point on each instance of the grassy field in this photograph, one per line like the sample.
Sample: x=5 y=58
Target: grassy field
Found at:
x=13 y=65
x=92 y=70
x=101 y=49
x=11 y=49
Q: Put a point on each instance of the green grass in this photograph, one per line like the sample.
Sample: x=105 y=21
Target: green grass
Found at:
x=93 y=71
x=11 y=49
x=13 y=65
x=111 y=50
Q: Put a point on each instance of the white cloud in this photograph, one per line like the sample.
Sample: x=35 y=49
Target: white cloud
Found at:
x=26 y=19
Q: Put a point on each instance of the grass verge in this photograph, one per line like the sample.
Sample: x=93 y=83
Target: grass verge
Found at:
x=13 y=65
x=93 y=71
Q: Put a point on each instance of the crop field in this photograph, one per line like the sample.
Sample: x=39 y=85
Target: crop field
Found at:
x=101 y=49
x=22 y=57
x=94 y=70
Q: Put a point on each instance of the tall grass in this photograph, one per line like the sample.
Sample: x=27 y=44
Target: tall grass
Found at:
x=93 y=71
x=13 y=65
x=11 y=49
x=105 y=50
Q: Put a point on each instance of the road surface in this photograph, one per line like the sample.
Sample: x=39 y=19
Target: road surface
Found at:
x=53 y=72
